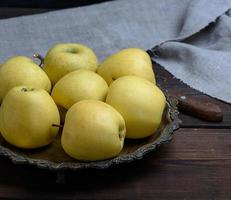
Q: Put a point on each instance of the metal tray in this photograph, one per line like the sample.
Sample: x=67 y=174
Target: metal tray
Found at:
x=53 y=157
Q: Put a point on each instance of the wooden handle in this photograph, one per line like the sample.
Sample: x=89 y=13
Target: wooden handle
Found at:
x=204 y=110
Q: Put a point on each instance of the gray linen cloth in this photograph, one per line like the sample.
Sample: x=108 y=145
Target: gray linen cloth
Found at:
x=191 y=38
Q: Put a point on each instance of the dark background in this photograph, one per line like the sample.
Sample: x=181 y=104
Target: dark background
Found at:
x=15 y=8
x=47 y=3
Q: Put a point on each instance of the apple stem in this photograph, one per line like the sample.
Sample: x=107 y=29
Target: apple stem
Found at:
x=38 y=56
x=57 y=125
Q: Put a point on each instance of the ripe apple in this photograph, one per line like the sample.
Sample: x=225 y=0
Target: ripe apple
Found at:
x=140 y=102
x=21 y=70
x=26 y=117
x=131 y=61
x=67 y=57
x=79 y=85
x=93 y=130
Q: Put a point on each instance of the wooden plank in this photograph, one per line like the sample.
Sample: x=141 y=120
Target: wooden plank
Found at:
x=195 y=165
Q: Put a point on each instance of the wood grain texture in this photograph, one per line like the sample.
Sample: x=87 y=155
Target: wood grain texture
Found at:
x=207 y=111
x=196 y=165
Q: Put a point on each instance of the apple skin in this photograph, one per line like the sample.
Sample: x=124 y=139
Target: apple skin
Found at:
x=131 y=61
x=140 y=102
x=67 y=57
x=20 y=70
x=26 y=117
x=93 y=131
x=79 y=85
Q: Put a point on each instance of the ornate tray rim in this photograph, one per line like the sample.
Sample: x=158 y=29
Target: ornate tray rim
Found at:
x=166 y=136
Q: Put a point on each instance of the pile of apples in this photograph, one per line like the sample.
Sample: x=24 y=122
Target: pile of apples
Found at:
x=99 y=105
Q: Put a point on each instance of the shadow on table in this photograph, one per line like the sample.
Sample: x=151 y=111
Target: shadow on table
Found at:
x=22 y=174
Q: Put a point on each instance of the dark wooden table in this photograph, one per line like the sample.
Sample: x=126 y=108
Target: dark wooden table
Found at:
x=195 y=165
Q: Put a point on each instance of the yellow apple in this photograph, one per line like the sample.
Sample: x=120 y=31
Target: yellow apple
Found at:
x=20 y=70
x=131 y=61
x=79 y=85
x=26 y=117
x=140 y=102
x=67 y=57
x=93 y=130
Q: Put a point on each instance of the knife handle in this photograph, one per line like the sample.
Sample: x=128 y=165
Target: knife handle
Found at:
x=204 y=110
